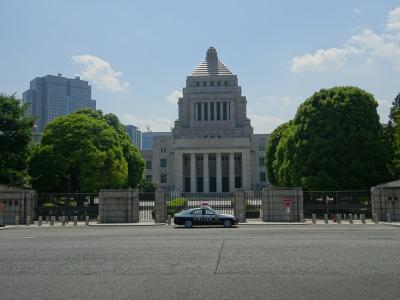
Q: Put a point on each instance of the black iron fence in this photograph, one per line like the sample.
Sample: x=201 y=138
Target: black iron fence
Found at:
x=146 y=206
x=68 y=204
x=253 y=200
x=337 y=202
x=221 y=202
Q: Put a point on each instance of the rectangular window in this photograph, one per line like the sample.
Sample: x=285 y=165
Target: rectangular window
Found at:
x=205 y=111
x=219 y=83
x=224 y=111
x=148 y=164
x=197 y=83
x=226 y=83
x=218 y=111
x=262 y=161
x=204 y=83
x=212 y=111
x=163 y=178
x=212 y=83
x=263 y=176
x=163 y=162
x=199 y=111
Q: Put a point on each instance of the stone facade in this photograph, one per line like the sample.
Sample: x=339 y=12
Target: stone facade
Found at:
x=274 y=207
x=119 y=206
x=18 y=203
x=386 y=201
x=212 y=147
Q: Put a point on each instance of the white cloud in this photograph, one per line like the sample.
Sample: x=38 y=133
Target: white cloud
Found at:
x=393 y=22
x=154 y=123
x=366 y=44
x=100 y=73
x=263 y=123
x=322 y=59
x=174 y=96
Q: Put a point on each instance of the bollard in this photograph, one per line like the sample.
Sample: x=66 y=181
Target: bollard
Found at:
x=355 y=217
x=326 y=218
x=40 y=220
x=16 y=220
x=362 y=218
x=388 y=218
x=301 y=218
x=344 y=217
x=28 y=220
x=169 y=220
x=87 y=220
x=63 y=220
x=375 y=218
x=98 y=219
x=75 y=220
x=314 y=219
x=350 y=218
x=47 y=219
x=52 y=220
x=339 y=218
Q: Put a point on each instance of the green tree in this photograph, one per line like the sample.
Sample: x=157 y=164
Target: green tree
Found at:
x=15 y=135
x=334 y=142
x=270 y=152
x=136 y=164
x=78 y=153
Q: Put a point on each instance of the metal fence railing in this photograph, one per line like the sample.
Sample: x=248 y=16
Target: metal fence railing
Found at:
x=68 y=205
x=146 y=206
x=253 y=200
x=337 y=202
x=221 y=202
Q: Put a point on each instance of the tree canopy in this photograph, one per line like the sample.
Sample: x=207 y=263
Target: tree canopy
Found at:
x=334 y=142
x=84 y=152
x=15 y=135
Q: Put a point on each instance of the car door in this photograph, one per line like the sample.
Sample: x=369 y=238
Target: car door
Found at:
x=197 y=217
x=211 y=217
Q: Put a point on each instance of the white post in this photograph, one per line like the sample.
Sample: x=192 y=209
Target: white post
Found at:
x=63 y=220
x=75 y=220
x=375 y=218
x=388 y=218
x=52 y=219
x=87 y=220
x=314 y=218
x=338 y=218
x=350 y=218
x=40 y=220
x=326 y=218
x=362 y=217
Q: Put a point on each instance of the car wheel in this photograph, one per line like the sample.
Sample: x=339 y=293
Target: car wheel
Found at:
x=227 y=223
x=188 y=224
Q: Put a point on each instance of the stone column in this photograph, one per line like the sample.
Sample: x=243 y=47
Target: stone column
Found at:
x=206 y=178
x=239 y=205
x=246 y=175
x=178 y=171
x=193 y=173
x=231 y=172
x=160 y=206
x=219 y=173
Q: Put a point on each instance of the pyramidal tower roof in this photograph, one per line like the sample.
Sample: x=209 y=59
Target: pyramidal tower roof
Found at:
x=211 y=65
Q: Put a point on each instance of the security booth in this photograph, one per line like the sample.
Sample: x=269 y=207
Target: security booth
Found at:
x=386 y=201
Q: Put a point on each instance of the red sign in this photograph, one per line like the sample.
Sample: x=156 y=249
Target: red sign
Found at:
x=287 y=201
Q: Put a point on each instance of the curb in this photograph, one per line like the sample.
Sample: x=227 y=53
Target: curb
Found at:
x=390 y=224
x=127 y=224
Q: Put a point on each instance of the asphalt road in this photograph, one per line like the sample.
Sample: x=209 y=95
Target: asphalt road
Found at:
x=163 y=262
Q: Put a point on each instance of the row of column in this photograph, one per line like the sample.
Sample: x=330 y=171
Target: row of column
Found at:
x=206 y=178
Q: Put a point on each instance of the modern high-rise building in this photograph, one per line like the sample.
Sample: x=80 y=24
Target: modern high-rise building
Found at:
x=148 y=138
x=52 y=96
x=135 y=135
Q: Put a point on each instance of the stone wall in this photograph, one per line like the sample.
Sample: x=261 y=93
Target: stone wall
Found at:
x=18 y=202
x=386 y=200
x=274 y=208
x=119 y=206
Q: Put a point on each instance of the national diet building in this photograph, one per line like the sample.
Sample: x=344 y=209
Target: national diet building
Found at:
x=212 y=147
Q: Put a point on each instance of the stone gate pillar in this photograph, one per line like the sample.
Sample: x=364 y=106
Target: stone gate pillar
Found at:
x=275 y=201
x=161 y=205
x=119 y=206
x=239 y=205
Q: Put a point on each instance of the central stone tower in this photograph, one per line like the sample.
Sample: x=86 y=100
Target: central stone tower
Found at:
x=212 y=105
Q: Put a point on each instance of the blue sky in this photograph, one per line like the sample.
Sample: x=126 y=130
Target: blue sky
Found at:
x=137 y=54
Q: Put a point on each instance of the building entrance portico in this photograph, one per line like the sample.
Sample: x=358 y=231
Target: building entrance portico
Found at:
x=210 y=172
